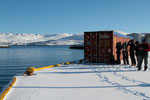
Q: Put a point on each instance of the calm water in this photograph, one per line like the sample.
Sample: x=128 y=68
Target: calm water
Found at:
x=17 y=59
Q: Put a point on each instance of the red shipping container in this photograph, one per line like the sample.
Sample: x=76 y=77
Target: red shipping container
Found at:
x=100 y=45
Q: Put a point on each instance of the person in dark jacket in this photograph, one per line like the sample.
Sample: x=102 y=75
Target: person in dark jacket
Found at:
x=144 y=48
x=137 y=50
x=132 y=52
x=125 y=53
x=118 y=47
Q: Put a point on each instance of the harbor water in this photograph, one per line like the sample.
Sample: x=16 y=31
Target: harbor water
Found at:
x=17 y=59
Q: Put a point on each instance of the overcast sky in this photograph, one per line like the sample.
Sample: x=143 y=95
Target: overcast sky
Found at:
x=74 y=16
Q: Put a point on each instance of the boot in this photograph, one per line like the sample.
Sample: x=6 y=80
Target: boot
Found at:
x=145 y=68
x=139 y=68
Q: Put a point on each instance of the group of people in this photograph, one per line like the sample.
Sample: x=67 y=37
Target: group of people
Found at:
x=138 y=52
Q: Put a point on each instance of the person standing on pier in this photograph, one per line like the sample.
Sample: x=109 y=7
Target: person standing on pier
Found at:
x=137 y=50
x=144 y=47
x=125 y=53
x=118 y=47
x=132 y=52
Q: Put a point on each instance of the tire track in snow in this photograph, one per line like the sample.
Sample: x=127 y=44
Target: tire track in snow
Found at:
x=120 y=87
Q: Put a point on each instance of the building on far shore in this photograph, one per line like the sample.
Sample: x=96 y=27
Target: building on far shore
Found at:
x=140 y=36
x=4 y=46
x=137 y=36
x=147 y=36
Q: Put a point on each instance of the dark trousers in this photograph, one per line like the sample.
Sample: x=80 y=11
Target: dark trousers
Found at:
x=138 y=58
x=145 y=58
x=125 y=58
x=132 y=56
x=118 y=58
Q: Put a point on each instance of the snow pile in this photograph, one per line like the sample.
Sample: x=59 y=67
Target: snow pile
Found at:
x=37 y=39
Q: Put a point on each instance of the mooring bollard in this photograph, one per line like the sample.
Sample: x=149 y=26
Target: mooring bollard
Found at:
x=30 y=71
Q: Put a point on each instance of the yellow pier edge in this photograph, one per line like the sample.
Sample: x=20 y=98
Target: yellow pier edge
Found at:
x=37 y=69
x=5 y=92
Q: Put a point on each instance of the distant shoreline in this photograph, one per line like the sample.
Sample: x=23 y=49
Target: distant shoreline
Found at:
x=40 y=45
x=76 y=47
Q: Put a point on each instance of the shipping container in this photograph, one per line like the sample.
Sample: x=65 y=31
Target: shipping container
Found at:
x=100 y=45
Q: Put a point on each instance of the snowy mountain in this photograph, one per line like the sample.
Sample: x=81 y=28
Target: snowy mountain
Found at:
x=37 y=39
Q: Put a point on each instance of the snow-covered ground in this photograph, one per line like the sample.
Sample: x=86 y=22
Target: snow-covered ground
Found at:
x=84 y=82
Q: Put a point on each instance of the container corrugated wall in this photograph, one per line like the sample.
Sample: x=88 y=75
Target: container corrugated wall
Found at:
x=100 y=45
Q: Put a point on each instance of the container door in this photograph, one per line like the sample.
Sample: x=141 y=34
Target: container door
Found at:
x=94 y=47
x=87 y=44
x=105 y=46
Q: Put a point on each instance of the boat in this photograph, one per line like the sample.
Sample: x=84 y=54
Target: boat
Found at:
x=76 y=47
x=4 y=46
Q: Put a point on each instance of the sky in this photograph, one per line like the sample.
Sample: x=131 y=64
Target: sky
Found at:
x=74 y=16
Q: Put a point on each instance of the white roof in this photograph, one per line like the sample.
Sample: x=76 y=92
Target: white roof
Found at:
x=124 y=33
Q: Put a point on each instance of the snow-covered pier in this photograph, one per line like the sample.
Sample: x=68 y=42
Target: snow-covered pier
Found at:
x=83 y=82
